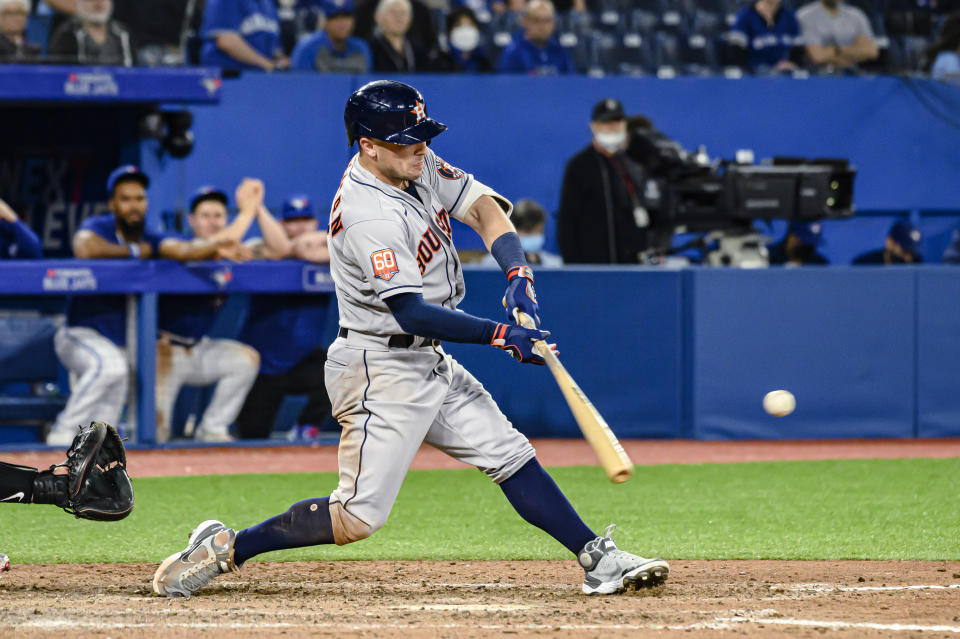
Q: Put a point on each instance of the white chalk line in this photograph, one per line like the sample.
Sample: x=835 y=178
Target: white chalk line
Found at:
x=718 y=623
x=829 y=588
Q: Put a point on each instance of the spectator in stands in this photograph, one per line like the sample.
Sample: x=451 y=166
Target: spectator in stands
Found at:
x=535 y=51
x=943 y=57
x=334 y=49
x=92 y=37
x=464 y=53
x=422 y=34
x=91 y=344
x=836 y=35
x=603 y=216
x=393 y=51
x=530 y=220
x=186 y=356
x=287 y=330
x=901 y=247
x=240 y=35
x=766 y=31
x=158 y=27
x=13 y=32
x=17 y=240
x=799 y=246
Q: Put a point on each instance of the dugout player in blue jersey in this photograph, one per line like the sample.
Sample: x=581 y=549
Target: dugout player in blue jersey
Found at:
x=17 y=240
x=287 y=329
x=186 y=355
x=91 y=343
x=242 y=35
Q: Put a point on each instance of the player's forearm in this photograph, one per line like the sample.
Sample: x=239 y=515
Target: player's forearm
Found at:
x=488 y=220
x=237 y=48
x=237 y=229
x=27 y=242
x=275 y=238
x=90 y=246
x=418 y=317
x=192 y=251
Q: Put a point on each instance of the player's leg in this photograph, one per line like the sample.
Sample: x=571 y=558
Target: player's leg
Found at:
x=385 y=402
x=233 y=367
x=260 y=407
x=173 y=364
x=99 y=375
x=472 y=429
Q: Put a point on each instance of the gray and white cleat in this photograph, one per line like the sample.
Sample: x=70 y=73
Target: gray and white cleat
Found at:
x=209 y=553
x=609 y=570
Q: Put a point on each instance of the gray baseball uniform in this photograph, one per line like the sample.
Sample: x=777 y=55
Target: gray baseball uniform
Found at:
x=390 y=399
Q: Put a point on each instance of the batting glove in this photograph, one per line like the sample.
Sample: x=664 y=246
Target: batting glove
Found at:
x=518 y=342
x=520 y=295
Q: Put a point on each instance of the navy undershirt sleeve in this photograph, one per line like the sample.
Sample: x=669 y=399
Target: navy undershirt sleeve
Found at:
x=418 y=317
x=508 y=251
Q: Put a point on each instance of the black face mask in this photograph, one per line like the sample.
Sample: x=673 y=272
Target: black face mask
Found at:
x=803 y=253
x=131 y=231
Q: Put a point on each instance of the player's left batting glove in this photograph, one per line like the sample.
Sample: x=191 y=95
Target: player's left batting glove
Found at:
x=520 y=295
x=518 y=341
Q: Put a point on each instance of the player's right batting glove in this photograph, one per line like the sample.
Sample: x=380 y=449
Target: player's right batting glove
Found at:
x=518 y=342
x=520 y=295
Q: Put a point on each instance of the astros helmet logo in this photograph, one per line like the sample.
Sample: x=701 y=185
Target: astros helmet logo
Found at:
x=419 y=111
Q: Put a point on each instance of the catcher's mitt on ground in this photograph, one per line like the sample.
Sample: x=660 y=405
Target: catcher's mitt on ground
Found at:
x=96 y=485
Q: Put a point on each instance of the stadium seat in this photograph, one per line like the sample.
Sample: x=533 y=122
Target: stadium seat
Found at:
x=909 y=23
x=914 y=49
x=666 y=53
x=38 y=30
x=697 y=55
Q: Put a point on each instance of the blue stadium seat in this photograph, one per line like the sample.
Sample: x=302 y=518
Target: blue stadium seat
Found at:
x=38 y=30
x=697 y=55
x=666 y=53
x=707 y=23
x=628 y=54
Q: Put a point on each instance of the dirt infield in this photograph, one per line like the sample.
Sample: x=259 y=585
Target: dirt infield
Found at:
x=488 y=599
x=551 y=452
x=492 y=599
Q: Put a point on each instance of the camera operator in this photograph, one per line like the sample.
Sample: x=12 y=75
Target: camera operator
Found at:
x=604 y=215
x=799 y=246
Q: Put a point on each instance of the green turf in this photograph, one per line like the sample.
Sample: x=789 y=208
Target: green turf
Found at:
x=877 y=509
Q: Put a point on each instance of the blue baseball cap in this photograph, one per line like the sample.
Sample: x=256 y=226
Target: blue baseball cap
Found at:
x=332 y=8
x=126 y=173
x=810 y=233
x=207 y=193
x=907 y=236
x=296 y=206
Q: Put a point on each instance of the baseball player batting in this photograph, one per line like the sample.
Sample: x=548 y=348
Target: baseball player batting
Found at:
x=398 y=282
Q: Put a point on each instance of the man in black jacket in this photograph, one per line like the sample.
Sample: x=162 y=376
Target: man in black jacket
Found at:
x=603 y=216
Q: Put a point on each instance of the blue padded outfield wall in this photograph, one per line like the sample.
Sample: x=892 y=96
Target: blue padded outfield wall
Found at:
x=868 y=352
x=516 y=134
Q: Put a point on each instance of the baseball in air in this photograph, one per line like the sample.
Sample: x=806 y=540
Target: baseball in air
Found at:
x=779 y=403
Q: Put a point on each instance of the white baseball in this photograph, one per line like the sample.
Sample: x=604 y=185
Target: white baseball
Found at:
x=779 y=403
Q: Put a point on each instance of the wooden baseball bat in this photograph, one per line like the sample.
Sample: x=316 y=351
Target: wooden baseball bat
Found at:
x=614 y=459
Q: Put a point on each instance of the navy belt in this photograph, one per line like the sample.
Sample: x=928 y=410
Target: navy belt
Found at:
x=399 y=341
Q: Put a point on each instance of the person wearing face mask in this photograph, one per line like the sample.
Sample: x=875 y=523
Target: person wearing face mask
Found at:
x=901 y=247
x=333 y=49
x=603 y=215
x=799 y=246
x=92 y=37
x=464 y=53
x=530 y=220
x=837 y=36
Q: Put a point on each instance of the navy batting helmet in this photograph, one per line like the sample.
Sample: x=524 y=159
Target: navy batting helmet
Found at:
x=390 y=111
